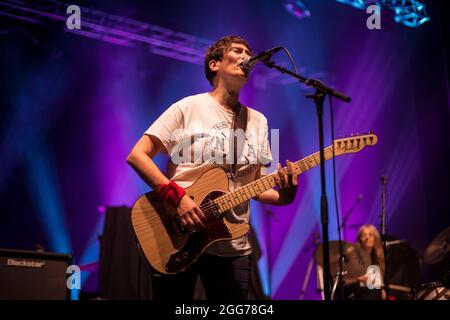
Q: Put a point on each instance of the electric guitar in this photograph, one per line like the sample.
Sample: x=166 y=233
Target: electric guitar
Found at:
x=169 y=249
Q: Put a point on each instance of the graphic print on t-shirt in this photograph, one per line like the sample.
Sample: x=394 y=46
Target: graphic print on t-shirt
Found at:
x=234 y=150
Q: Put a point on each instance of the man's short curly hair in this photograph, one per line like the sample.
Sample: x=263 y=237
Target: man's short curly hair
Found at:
x=216 y=51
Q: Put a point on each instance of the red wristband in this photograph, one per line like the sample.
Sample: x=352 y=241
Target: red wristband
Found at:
x=171 y=193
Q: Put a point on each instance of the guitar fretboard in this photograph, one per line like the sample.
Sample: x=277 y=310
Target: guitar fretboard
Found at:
x=250 y=190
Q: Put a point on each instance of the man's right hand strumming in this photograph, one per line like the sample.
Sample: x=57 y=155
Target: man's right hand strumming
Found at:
x=190 y=214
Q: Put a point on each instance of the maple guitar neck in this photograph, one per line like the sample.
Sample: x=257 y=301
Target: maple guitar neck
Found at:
x=250 y=190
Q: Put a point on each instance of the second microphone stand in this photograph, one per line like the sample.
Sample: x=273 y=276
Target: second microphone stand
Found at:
x=319 y=96
x=383 y=234
x=347 y=216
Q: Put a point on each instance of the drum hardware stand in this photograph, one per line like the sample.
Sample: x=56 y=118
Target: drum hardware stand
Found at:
x=311 y=263
x=320 y=281
x=340 y=280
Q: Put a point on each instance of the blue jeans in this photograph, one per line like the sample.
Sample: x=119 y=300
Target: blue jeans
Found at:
x=224 y=278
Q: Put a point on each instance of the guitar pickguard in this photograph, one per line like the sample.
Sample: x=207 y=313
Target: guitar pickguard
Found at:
x=215 y=229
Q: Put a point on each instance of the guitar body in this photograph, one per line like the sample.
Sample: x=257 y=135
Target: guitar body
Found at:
x=166 y=247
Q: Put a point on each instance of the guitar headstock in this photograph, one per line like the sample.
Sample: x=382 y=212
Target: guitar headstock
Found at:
x=354 y=143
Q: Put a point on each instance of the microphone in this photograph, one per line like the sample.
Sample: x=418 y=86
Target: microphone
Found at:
x=250 y=62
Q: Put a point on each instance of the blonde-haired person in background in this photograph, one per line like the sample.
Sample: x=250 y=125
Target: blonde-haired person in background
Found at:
x=372 y=254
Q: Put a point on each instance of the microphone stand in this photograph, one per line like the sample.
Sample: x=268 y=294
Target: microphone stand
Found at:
x=319 y=96
x=347 y=215
x=383 y=232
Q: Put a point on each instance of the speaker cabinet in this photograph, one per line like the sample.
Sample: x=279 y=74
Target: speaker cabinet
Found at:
x=26 y=275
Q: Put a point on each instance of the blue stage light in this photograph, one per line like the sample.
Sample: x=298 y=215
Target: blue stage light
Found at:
x=297 y=9
x=358 y=4
x=411 y=13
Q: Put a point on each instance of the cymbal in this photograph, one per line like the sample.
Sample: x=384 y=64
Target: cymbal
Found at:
x=353 y=263
x=438 y=248
x=347 y=248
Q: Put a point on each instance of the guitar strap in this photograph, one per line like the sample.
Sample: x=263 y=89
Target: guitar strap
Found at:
x=240 y=120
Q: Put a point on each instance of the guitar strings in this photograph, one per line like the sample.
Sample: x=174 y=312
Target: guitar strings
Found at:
x=212 y=203
x=300 y=163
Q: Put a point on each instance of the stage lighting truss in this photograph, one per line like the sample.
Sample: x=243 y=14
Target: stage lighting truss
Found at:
x=411 y=13
x=125 y=32
x=113 y=29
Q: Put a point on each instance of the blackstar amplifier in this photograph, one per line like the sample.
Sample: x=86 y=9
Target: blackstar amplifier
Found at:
x=28 y=275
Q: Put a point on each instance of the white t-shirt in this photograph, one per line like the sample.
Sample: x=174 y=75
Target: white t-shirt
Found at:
x=196 y=133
